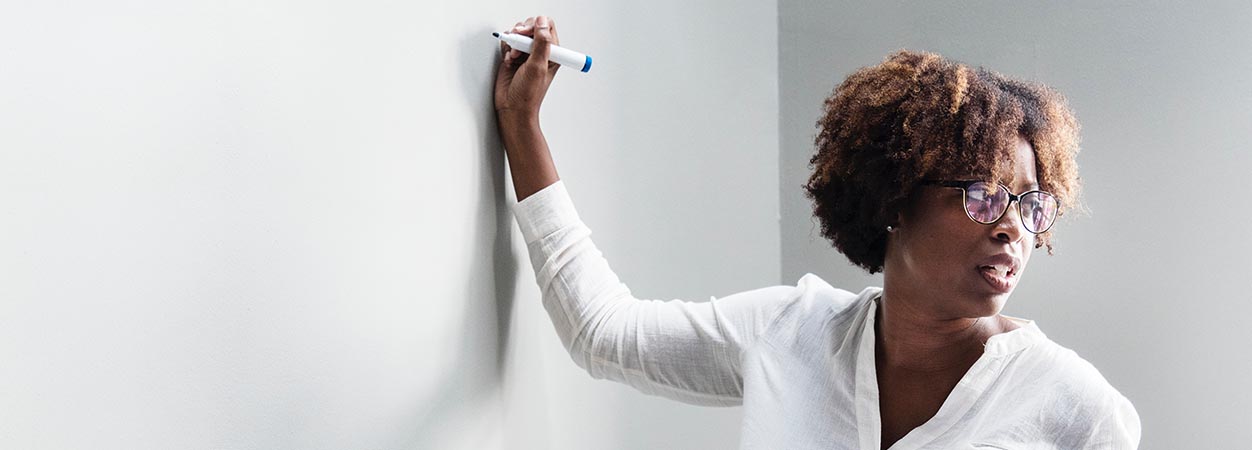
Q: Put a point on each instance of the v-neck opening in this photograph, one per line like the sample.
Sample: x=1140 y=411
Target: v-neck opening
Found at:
x=971 y=386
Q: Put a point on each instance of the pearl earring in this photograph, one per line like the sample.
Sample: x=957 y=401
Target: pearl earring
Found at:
x=890 y=228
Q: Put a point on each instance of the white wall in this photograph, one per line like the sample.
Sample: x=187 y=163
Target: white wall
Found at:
x=284 y=224
x=1152 y=286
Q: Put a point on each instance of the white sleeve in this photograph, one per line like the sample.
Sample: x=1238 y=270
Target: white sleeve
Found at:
x=686 y=351
x=1119 y=428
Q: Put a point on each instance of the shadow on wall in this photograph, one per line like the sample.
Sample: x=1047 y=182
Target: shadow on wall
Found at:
x=477 y=375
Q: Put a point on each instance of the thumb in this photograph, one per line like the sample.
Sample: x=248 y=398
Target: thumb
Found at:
x=541 y=47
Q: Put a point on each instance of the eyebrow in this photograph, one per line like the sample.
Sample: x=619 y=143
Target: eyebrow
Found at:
x=1029 y=187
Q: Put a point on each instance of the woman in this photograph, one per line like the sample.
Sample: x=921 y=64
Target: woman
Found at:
x=943 y=177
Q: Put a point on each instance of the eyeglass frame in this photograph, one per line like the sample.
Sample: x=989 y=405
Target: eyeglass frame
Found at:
x=963 y=185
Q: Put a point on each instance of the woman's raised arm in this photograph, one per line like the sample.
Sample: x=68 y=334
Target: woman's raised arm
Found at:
x=521 y=82
x=683 y=350
x=687 y=351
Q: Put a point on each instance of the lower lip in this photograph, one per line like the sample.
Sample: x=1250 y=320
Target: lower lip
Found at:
x=1001 y=284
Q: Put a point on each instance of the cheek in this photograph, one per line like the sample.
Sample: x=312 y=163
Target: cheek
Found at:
x=955 y=229
x=942 y=217
x=944 y=239
x=941 y=234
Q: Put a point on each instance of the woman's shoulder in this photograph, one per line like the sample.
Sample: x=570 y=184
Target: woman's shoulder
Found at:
x=1065 y=365
x=813 y=294
x=1073 y=384
x=815 y=305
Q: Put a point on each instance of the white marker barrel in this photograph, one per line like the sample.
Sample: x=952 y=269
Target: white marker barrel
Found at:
x=556 y=54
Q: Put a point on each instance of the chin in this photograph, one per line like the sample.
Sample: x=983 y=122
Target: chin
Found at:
x=987 y=305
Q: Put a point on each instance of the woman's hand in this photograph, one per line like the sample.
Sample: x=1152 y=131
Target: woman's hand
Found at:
x=522 y=80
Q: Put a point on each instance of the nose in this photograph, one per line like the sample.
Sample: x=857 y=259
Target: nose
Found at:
x=1009 y=229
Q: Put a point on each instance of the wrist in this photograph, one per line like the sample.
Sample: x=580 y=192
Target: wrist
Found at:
x=516 y=119
x=518 y=131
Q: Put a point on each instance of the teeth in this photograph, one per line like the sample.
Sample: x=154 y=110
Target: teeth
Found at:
x=1001 y=269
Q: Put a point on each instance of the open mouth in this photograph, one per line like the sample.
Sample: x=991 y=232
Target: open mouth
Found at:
x=1001 y=277
x=1000 y=270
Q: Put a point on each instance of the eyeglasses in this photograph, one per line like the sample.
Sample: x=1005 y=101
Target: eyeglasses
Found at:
x=986 y=203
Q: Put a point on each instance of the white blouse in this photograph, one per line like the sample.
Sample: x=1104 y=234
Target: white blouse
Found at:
x=800 y=359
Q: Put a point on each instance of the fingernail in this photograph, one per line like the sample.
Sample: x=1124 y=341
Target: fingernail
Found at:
x=542 y=21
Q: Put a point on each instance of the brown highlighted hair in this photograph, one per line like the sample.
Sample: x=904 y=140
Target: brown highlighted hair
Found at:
x=918 y=115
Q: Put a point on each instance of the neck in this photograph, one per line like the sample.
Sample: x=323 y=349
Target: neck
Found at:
x=911 y=337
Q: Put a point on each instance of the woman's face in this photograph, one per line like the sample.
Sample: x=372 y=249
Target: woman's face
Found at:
x=938 y=253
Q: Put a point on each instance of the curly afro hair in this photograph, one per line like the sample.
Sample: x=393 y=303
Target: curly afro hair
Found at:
x=918 y=115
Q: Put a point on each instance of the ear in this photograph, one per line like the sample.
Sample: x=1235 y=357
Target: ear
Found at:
x=897 y=211
x=897 y=219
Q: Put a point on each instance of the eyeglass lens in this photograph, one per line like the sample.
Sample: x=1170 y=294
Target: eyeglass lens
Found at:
x=986 y=202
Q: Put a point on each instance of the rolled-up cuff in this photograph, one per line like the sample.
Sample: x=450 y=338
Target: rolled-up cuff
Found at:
x=545 y=212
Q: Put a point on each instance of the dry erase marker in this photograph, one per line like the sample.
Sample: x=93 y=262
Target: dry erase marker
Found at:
x=559 y=55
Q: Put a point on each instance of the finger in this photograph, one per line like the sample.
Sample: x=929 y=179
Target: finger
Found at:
x=505 y=49
x=540 y=49
x=525 y=28
x=512 y=53
x=556 y=40
x=520 y=28
x=542 y=23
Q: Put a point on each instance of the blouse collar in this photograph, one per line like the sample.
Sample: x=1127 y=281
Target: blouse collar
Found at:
x=1026 y=334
